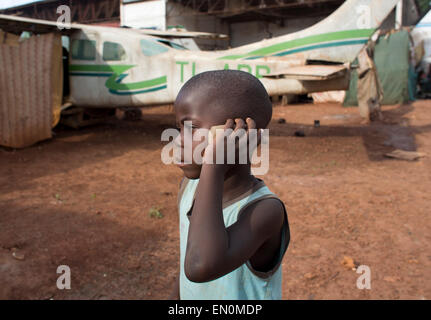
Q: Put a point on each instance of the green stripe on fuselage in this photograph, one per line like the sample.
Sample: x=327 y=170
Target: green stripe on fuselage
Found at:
x=118 y=69
x=310 y=40
x=112 y=84
x=122 y=93
x=115 y=74
x=323 y=45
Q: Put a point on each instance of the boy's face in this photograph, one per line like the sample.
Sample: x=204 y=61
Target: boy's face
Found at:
x=196 y=108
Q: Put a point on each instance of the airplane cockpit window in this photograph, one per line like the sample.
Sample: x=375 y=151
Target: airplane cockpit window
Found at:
x=172 y=44
x=113 y=51
x=151 y=48
x=177 y=46
x=83 y=49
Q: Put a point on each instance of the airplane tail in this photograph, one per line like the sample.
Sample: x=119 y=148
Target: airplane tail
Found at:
x=338 y=38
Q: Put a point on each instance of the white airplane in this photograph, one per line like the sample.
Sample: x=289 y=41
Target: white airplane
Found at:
x=119 y=67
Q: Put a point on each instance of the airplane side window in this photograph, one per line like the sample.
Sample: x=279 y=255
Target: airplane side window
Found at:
x=151 y=48
x=113 y=51
x=83 y=49
x=172 y=44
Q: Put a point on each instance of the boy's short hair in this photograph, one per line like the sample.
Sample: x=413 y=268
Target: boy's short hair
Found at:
x=239 y=94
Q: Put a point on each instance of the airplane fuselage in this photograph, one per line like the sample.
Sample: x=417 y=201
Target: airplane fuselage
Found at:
x=117 y=67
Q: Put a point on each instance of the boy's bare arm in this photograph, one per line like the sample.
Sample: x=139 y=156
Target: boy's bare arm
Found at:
x=214 y=250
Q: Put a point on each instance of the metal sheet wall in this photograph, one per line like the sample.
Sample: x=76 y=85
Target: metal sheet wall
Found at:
x=31 y=85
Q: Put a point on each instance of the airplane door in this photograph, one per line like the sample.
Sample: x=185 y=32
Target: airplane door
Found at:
x=84 y=67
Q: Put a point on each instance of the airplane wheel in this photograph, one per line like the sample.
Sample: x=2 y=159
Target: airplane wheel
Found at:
x=132 y=114
x=81 y=117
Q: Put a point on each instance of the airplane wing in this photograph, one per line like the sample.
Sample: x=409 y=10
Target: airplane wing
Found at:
x=182 y=34
x=16 y=25
x=311 y=72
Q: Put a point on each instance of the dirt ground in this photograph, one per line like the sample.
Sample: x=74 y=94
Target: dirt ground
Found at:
x=83 y=198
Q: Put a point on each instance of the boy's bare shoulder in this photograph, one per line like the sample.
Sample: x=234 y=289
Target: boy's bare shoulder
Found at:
x=265 y=216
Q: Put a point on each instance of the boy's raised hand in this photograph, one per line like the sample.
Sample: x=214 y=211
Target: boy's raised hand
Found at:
x=234 y=143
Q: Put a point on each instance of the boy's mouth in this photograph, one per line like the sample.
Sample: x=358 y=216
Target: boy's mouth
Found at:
x=182 y=165
x=179 y=162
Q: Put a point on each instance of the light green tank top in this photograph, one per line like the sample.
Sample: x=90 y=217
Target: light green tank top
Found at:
x=244 y=283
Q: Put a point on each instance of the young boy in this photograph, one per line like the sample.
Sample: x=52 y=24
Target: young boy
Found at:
x=233 y=230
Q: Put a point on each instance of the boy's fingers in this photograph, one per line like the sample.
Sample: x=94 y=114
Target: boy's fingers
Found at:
x=229 y=124
x=259 y=136
x=254 y=137
x=250 y=123
x=240 y=124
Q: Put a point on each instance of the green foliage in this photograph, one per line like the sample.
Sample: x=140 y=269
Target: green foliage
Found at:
x=424 y=6
x=155 y=213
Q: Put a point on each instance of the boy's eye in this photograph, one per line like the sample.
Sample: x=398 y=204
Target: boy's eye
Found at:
x=186 y=125
x=189 y=126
